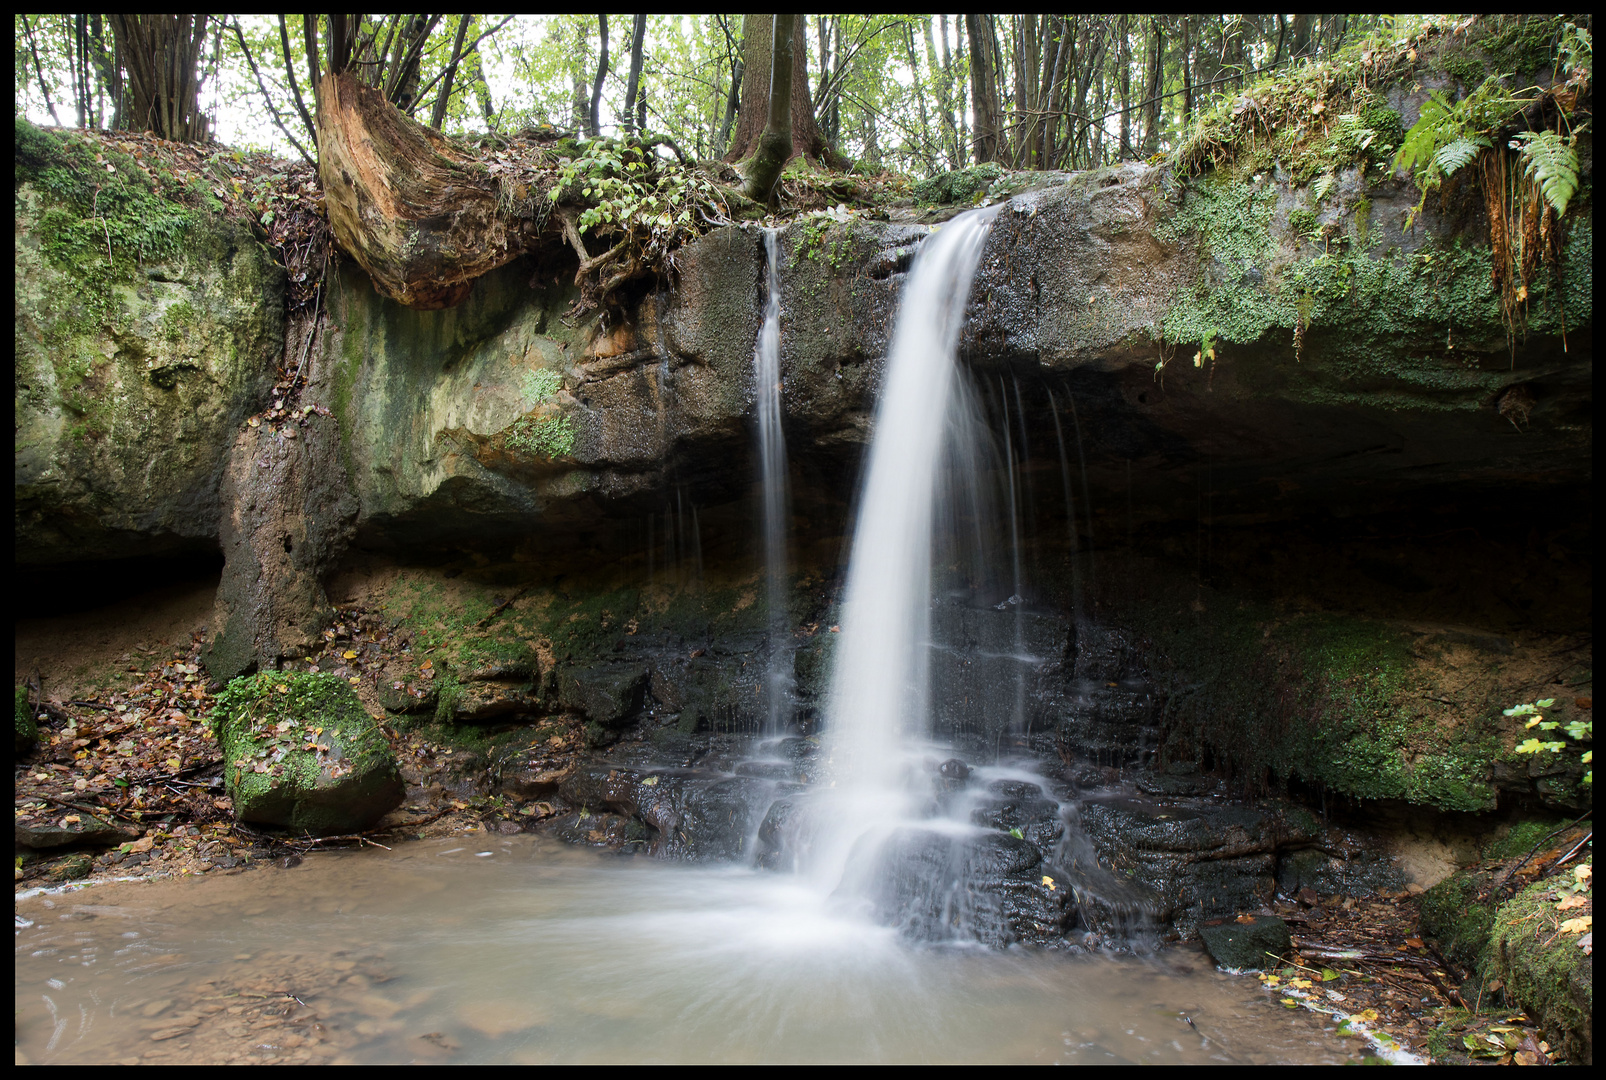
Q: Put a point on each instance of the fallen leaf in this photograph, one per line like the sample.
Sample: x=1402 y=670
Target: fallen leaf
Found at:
x=1049 y=882
x=143 y=844
x=1414 y=942
x=1328 y=974
x=1577 y=926
x=1367 y=1015
x=1574 y=901
x=349 y=654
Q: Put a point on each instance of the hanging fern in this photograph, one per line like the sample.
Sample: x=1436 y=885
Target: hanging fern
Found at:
x=1460 y=153
x=1552 y=162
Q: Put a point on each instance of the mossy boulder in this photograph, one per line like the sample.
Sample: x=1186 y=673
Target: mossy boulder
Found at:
x=1544 y=969
x=301 y=753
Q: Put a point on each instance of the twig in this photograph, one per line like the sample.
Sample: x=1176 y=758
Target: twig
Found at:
x=499 y=608
x=359 y=837
x=1538 y=843
x=1576 y=848
x=89 y=809
x=93 y=705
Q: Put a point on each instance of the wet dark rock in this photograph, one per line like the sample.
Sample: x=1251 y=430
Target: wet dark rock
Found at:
x=1357 y=872
x=721 y=690
x=995 y=669
x=608 y=694
x=1203 y=861
x=939 y=887
x=953 y=769
x=1253 y=941
x=767 y=770
x=1023 y=807
x=695 y=816
x=532 y=783
x=88 y=830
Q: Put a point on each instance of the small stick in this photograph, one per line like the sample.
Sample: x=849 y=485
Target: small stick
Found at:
x=89 y=809
x=1576 y=848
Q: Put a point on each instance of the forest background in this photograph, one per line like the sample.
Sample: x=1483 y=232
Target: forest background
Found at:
x=910 y=94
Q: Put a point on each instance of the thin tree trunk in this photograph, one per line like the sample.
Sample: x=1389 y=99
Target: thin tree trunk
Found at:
x=638 y=36
x=443 y=97
x=942 y=84
x=961 y=87
x=920 y=100
x=1155 y=81
x=482 y=89
x=39 y=70
x=595 y=114
x=580 y=101
x=1124 y=59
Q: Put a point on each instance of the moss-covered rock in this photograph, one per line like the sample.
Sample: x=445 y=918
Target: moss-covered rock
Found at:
x=301 y=753
x=1458 y=914
x=1544 y=969
x=27 y=726
x=146 y=329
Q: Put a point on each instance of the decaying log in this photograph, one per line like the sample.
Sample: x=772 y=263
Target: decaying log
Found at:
x=415 y=211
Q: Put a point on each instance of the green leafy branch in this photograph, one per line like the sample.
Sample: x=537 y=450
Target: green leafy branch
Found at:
x=624 y=192
x=1577 y=730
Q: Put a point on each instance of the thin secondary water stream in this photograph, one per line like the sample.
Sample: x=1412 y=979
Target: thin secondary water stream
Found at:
x=522 y=949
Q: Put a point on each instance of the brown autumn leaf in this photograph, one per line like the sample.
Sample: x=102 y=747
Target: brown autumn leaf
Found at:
x=1576 y=900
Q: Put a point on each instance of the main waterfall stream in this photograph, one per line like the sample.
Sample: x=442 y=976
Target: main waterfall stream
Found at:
x=489 y=948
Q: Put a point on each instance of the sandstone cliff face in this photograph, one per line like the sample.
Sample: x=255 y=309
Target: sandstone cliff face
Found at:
x=131 y=375
x=1235 y=320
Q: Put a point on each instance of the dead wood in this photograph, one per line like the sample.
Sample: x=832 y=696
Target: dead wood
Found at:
x=417 y=212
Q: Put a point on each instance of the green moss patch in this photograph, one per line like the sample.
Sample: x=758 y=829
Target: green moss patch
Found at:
x=1329 y=701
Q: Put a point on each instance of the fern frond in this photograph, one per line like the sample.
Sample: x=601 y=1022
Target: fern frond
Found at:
x=1435 y=125
x=1324 y=184
x=1460 y=153
x=1552 y=161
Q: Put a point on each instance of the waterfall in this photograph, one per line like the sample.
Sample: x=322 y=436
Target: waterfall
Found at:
x=772 y=485
x=878 y=698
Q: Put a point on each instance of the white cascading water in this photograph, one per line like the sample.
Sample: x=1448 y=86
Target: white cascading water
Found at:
x=772 y=468
x=877 y=710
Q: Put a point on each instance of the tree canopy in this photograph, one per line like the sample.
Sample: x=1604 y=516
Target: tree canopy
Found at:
x=914 y=94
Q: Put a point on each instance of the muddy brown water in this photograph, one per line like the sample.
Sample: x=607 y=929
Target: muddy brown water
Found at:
x=491 y=949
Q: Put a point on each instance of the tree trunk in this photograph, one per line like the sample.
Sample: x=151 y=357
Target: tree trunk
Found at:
x=753 y=120
x=983 y=89
x=1155 y=82
x=420 y=217
x=595 y=115
x=637 y=37
x=162 y=55
x=775 y=147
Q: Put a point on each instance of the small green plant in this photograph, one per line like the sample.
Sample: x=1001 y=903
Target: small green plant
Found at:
x=540 y=385
x=552 y=437
x=1579 y=731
